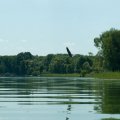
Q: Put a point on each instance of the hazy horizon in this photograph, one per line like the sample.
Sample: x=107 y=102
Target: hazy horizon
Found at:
x=48 y=26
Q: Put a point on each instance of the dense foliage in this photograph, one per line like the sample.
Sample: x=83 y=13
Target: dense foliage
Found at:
x=108 y=44
x=27 y=64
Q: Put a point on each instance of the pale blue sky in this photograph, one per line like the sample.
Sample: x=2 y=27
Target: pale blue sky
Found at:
x=48 y=26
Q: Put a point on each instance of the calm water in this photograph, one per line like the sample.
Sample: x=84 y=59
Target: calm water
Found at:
x=47 y=98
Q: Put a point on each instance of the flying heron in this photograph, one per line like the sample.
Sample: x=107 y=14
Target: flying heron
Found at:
x=69 y=53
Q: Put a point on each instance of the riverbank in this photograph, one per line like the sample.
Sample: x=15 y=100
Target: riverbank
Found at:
x=60 y=75
x=103 y=75
x=106 y=75
x=43 y=75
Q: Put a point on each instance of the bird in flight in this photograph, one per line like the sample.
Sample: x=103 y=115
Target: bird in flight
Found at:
x=69 y=53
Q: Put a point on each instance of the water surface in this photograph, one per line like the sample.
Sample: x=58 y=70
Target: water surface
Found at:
x=59 y=98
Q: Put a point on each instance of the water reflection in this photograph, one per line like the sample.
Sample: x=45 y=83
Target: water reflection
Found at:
x=69 y=108
x=70 y=98
x=110 y=97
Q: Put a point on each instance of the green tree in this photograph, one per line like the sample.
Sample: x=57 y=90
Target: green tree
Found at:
x=108 y=44
x=57 y=65
x=21 y=62
x=47 y=62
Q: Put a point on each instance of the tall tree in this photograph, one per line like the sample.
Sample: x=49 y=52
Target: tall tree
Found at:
x=108 y=44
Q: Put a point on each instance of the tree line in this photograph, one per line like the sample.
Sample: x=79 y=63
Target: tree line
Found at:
x=107 y=59
x=27 y=64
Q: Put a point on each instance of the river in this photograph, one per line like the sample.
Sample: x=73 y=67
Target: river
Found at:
x=59 y=98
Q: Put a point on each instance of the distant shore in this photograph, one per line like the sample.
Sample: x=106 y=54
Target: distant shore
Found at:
x=60 y=75
x=106 y=75
x=44 y=75
x=102 y=75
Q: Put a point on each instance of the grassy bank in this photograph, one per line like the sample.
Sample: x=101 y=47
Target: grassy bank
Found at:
x=44 y=75
x=110 y=119
x=61 y=75
x=103 y=75
x=107 y=75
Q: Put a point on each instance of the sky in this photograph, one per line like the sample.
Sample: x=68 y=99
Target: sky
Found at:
x=47 y=26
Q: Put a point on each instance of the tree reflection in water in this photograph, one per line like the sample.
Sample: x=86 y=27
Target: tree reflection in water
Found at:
x=110 y=97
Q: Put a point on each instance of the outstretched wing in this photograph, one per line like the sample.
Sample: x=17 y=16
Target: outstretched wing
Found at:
x=69 y=53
